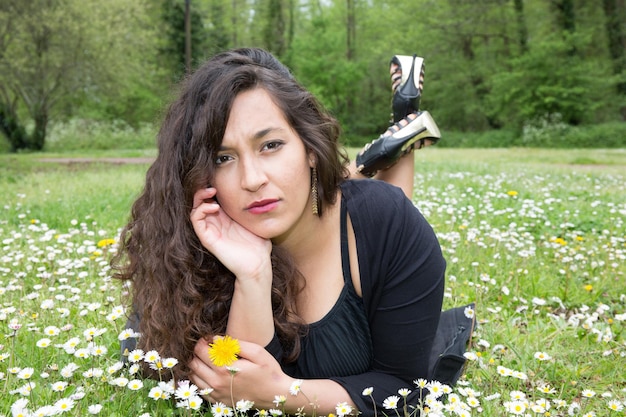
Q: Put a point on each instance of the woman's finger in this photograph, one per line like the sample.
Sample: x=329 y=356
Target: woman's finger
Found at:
x=202 y=350
x=251 y=351
x=202 y=195
x=200 y=374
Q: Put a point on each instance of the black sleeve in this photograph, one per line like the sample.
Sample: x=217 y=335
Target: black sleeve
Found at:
x=402 y=278
x=275 y=348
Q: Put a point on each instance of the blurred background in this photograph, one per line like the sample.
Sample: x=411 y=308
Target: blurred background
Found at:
x=498 y=72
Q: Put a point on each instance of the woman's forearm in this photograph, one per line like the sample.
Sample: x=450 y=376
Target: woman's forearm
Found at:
x=250 y=317
x=313 y=397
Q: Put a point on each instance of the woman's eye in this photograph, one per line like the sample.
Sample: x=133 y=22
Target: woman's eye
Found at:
x=273 y=145
x=222 y=159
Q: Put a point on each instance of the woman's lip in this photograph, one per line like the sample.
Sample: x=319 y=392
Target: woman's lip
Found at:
x=263 y=206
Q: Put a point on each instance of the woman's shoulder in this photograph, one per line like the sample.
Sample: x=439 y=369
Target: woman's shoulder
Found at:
x=363 y=191
x=374 y=203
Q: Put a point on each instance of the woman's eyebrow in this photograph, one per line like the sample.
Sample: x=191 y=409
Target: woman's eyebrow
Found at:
x=264 y=132
x=260 y=134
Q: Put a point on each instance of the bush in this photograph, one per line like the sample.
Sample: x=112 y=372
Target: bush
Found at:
x=81 y=134
x=546 y=133
x=608 y=135
x=5 y=146
x=489 y=139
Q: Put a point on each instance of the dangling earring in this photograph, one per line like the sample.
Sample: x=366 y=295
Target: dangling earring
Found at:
x=314 y=195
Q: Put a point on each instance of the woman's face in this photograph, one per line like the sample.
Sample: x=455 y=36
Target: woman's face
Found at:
x=263 y=169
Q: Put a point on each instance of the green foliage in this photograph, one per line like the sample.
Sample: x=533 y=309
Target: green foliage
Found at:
x=545 y=133
x=607 y=135
x=54 y=54
x=138 y=104
x=342 y=85
x=493 y=64
x=15 y=134
x=5 y=146
x=204 y=42
x=217 y=35
x=85 y=134
x=548 y=80
x=274 y=30
x=496 y=138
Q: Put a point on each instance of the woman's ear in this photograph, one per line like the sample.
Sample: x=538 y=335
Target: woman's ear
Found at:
x=312 y=159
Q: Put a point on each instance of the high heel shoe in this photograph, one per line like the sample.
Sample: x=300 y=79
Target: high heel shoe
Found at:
x=407 y=95
x=385 y=151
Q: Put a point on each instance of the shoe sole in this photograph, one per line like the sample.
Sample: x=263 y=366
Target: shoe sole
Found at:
x=378 y=157
x=422 y=127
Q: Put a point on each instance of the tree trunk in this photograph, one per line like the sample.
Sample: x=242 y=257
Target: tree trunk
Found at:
x=351 y=30
x=11 y=128
x=292 y=23
x=614 y=10
x=233 y=21
x=522 y=29
x=38 y=138
x=275 y=28
x=566 y=14
x=188 y=36
x=350 y=48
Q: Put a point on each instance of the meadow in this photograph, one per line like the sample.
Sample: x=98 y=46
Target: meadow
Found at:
x=535 y=237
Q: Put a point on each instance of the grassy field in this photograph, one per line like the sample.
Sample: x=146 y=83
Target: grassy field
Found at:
x=535 y=237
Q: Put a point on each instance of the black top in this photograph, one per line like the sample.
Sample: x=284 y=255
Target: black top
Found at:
x=384 y=339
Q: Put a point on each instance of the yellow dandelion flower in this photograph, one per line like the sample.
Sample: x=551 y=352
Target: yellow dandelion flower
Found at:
x=223 y=351
x=105 y=242
x=512 y=193
x=588 y=287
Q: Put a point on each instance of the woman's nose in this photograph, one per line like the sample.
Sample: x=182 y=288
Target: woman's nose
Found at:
x=252 y=174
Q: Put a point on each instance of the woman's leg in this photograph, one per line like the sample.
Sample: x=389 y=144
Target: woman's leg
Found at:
x=390 y=158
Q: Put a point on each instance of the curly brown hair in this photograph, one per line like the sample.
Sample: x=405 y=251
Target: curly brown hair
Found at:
x=180 y=291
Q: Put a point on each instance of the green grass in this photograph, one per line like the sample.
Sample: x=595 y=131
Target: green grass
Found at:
x=535 y=237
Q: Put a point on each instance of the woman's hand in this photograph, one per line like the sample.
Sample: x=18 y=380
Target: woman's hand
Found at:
x=227 y=240
x=248 y=257
x=258 y=378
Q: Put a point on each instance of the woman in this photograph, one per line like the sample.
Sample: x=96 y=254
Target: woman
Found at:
x=249 y=226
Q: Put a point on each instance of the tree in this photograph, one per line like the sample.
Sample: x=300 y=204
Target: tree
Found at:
x=217 y=37
x=274 y=30
x=615 y=14
x=522 y=30
x=57 y=51
x=322 y=66
x=173 y=47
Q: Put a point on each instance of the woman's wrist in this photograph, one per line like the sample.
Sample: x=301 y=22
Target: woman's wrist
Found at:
x=261 y=274
x=312 y=397
x=291 y=398
x=250 y=317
